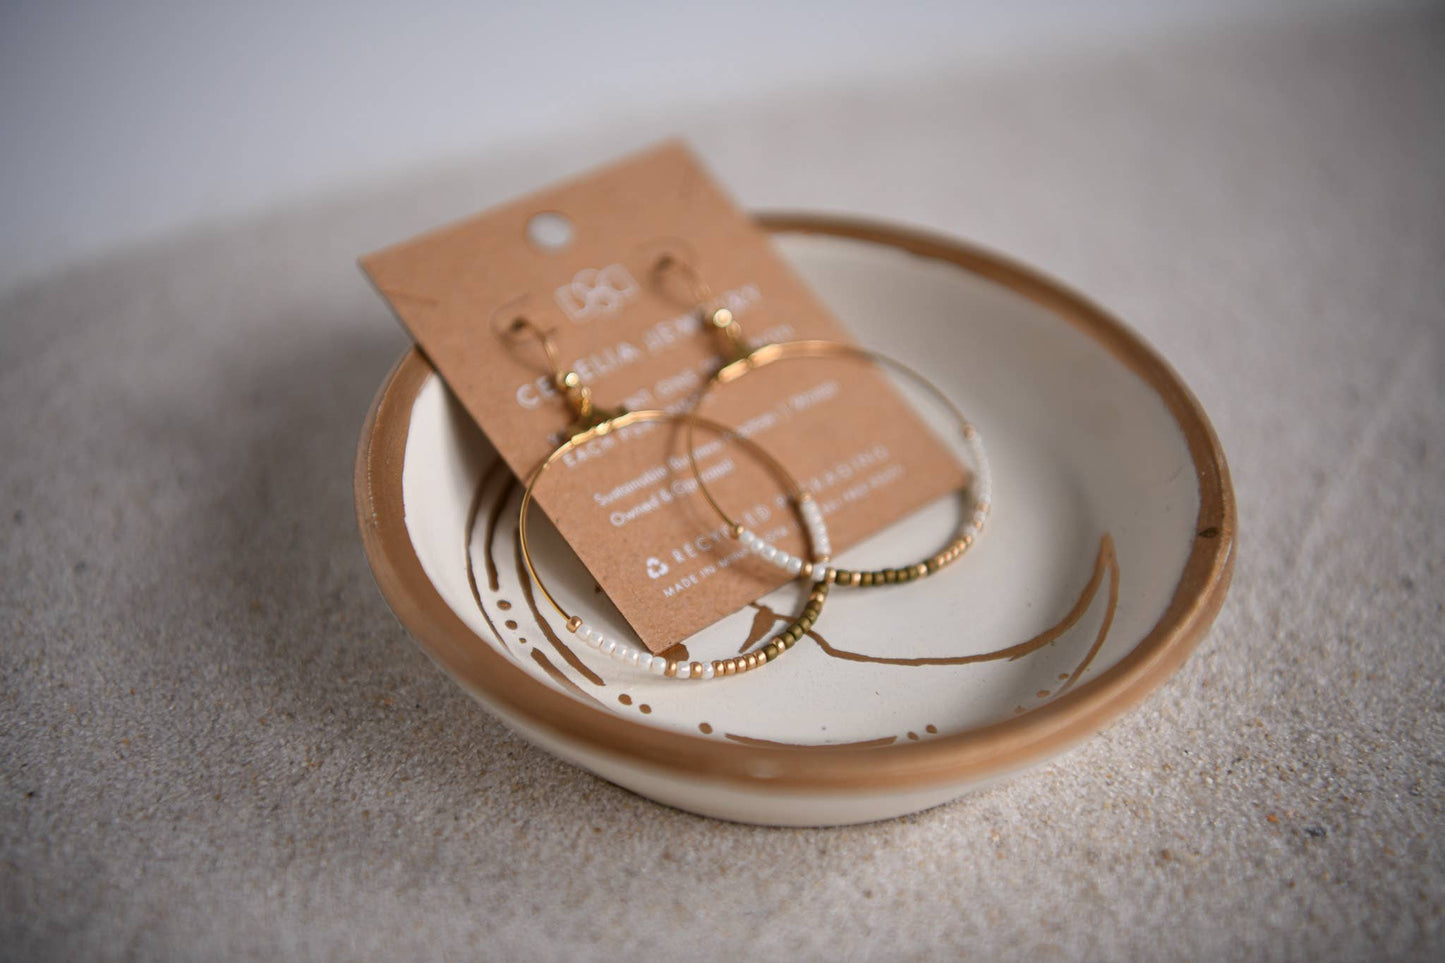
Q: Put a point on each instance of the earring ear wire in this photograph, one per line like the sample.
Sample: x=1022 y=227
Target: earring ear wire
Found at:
x=719 y=319
x=568 y=381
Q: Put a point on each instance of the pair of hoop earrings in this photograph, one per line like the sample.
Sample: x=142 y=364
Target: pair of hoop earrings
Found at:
x=591 y=423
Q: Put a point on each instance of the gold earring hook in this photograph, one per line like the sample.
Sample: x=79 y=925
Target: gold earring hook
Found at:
x=668 y=262
x=522 y=323
x=719 y=318
x=568 y=381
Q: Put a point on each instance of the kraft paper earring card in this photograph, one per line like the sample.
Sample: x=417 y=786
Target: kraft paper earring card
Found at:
x=581 y=260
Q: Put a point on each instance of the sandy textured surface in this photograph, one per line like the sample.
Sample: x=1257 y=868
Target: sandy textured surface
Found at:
x=216 y=742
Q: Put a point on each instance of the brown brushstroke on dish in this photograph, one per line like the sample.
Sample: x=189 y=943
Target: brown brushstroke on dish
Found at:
x=567 y=654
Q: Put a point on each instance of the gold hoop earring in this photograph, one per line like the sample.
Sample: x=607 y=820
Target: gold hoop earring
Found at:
x=592 y=423
x=743 y=359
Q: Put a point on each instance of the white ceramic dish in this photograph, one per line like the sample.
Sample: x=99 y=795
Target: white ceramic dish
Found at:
x=1107 y=556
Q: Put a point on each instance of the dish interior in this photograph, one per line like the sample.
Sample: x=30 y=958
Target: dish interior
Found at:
x=1094 y=507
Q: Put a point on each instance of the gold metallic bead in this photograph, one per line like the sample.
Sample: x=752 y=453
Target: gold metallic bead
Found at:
x=574 y=623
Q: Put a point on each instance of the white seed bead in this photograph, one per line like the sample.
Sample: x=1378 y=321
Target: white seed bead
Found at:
x=795 y=565
x=659 y=665
x=707 y=671
x=608 y=646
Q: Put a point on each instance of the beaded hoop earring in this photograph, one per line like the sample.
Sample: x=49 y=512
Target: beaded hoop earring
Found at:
x=744 y=360
x=592 y=423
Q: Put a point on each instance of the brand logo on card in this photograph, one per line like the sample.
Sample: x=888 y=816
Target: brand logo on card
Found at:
x=656 y=568
x=594 y=293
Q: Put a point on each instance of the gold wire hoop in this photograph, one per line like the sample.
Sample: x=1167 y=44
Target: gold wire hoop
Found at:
x=757 y=657
x=591 y=422
x=980 y=486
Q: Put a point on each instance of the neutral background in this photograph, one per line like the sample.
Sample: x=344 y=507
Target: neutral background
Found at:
x=215 y=741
